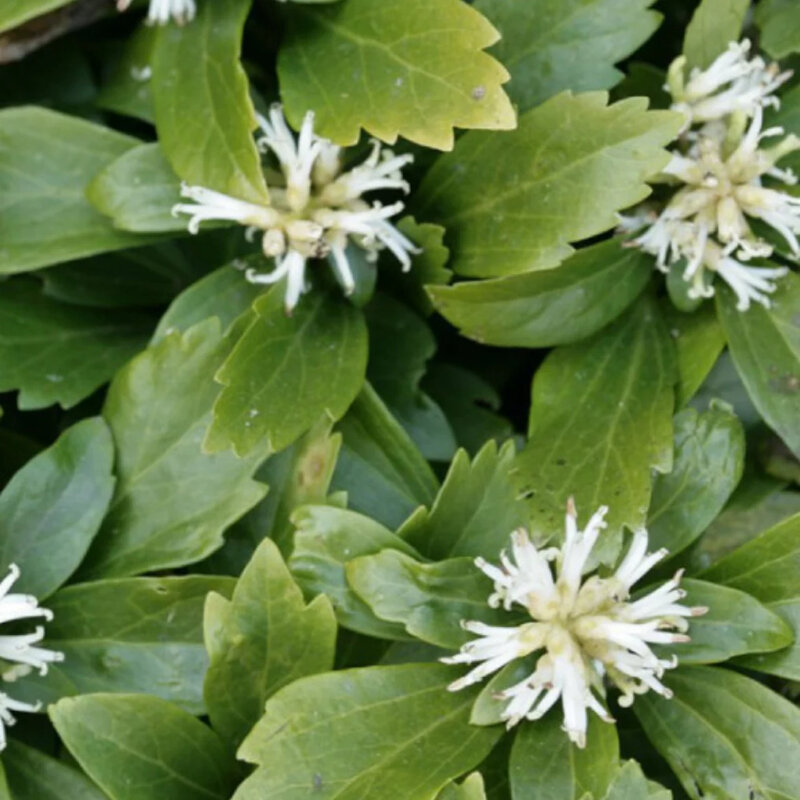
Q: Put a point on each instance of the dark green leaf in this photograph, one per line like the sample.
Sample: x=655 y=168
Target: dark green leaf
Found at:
x=715 y=24
x=427 y=267
x=127 y=88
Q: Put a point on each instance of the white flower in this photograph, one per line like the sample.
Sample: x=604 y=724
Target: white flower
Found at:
x=587 y=631
x=162 y=11
x=316 y=209
x=733 y=83
x=19 y=650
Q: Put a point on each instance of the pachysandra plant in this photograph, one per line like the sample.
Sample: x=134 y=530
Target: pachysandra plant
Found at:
x=588 y=631
x=317 y=208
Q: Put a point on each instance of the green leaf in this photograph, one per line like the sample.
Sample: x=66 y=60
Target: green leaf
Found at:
x=601 y=420
x=709 y=458
x=264 y=638
x=52 y=508
x=765 y=345
x=552 y=307
x=287 y=371
x=32 y=775
x=327 y=539
x=173 y=501
x=475 y=511
x=46 y=161
x=714 y=25
x=138 y=191
x=552 y=45
x=135 y=746
x=410 y=68
x=780 y=27
x=699 y=340
x=204 y=114
x=126 y=90
x=382 y=471
x=57 y=353
x=471 y=788
x=513 y=203
x=544 y=763
x=429 y=600
x=15 y=12
x=724 y=735
x=400 y=346
x=129 y=635
x=427 y=267
x=344 y=733
x=629 y=783
x=767 y=568
x=736 y=623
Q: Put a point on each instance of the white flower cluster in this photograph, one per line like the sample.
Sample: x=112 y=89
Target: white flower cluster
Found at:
x=720 y=168
x=162 y=11
x=19 y=650
x=316 y=208
x=587 y=630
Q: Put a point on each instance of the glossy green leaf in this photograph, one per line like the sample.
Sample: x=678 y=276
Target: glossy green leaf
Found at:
x=410 y=68
x=736 y=623
x=136 y=746
x=159 y=408
x=767 y=568
x=552 y=45
x=471 y=788
x=204 y=114
x=427 y=267
x=126 y=90
x=15 y=12
x=765 y=345
x=264 y=638
x=475 y=511
x=129 y=635
x=32 y=775
x=544 y=763
x=512 y=203
x=429 y=600
x=601 y=420
x=551 y=307
x=344 y=733
x=709 y=457
x=780 y=27
x=714 y=25
x=287 y=371
x=57 y=353
x=382 y=471
x=52 y=508
x=46 y=161
x=327 y=538
x=137 y=191
x=725 y=735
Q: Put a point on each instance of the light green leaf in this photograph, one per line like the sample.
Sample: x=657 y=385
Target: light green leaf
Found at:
x=410 y=68
x=326 y=539
x=552 y=45
x=46 y=161
x=429 y=600
x=427 y=267
x=765 y=345
x=475 y=511
x=32 y=775
x=767 y=568
x=382 y=471
x=264 y=638
x=601 y=420
x=287 y=371
x=725 y=735
x=57 y=353
x=52 y=508
x=138 y=191
x=173 y=501
x=15 y=12
x=204 y=114
x=629 y=783
x=544 y=763
x=129 y=635
x=714 y=25
x=126 y=90
x=344 y=733
x=136 y=746
x=471 y=788
x=551 y=307
x=736 y=623
x=780 y=27
x=513 y=203
x=709 y=457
